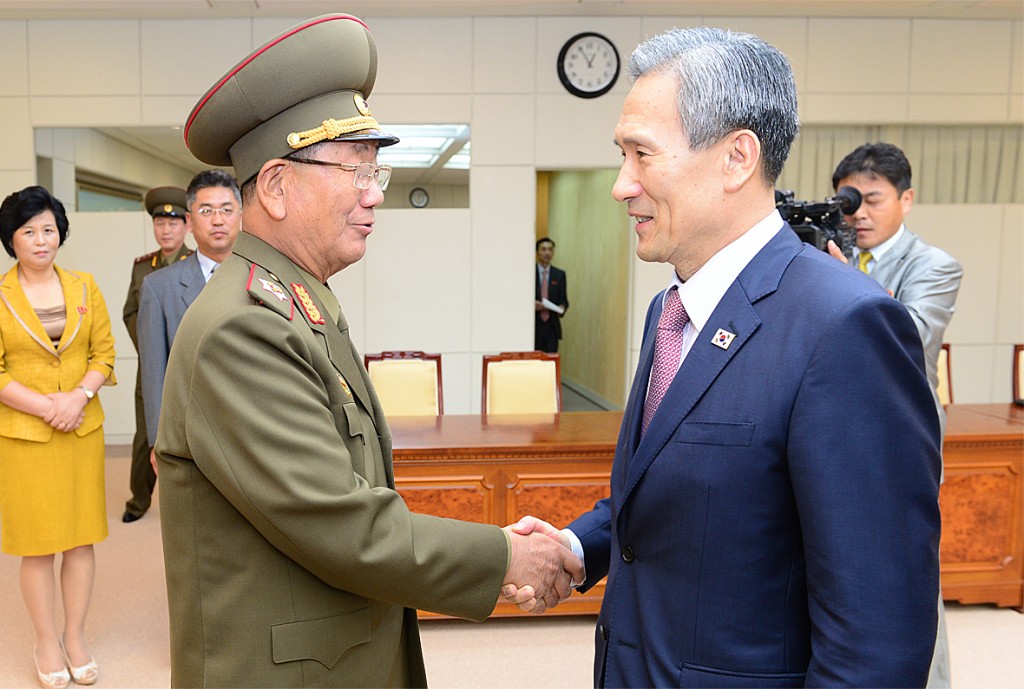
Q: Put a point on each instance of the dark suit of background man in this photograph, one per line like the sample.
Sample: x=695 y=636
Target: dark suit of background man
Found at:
x=291 y=560
x=215 y=214
x=167 y=206
x=772 y=523
x=549 y=284
x=924 y=278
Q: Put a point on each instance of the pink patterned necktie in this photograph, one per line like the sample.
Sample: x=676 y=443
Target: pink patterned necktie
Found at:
x=545 y=315
x=668 y=348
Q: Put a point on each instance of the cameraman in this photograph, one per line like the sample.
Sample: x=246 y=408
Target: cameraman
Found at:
x=923 y=278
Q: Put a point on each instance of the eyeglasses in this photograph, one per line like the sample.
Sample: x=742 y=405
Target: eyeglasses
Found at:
x=365 y=172
x=207 y=212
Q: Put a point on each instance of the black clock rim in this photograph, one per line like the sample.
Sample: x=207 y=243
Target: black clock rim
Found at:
x=426 y=197
x=563 y=77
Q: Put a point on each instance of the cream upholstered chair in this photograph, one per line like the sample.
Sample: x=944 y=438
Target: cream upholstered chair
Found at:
x=1018 y=373
x=407 y=383
x=945 y=390
x=522 y=383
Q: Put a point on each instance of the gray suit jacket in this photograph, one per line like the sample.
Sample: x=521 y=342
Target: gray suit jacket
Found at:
x=925 y=279
x=165 y=296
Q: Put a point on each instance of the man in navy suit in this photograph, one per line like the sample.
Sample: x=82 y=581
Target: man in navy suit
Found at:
x=549 y=285
x=215 y=217
x=771 y=523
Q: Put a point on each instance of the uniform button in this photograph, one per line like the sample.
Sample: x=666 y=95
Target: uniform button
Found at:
x=603 y=630
x=56 y=364
x=627 y=554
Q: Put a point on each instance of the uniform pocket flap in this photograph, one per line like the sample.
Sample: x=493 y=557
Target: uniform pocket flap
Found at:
x=711 y=433
x=324 y=640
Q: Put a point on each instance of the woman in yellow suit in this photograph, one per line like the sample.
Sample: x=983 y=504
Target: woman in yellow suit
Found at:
x=56 y=351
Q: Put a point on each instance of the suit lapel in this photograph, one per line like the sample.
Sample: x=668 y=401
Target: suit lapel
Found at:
x=76 y=306
x=192 y=280
x=893 y=259
x=17 y=303
x=705 y=361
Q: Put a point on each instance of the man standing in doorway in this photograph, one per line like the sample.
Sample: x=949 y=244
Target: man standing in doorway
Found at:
x=551 y=299
x=167 y=206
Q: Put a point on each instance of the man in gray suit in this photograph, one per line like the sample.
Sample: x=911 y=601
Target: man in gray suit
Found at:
x=215 y=215
x=924 y=278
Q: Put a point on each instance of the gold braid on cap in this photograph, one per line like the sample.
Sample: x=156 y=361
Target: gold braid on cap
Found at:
x=331 y=129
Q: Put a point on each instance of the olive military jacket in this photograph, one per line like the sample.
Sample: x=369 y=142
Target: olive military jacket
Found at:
x=291 y=561
x=144 y=265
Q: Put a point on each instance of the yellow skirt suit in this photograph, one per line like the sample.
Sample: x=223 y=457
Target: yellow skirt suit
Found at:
x=52 y=494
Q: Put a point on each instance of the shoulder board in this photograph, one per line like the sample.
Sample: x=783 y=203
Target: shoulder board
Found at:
x=147 y=257
x=265 y=289
x=185 y=255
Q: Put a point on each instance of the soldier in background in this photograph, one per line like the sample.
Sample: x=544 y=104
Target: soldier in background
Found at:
x=167 y=206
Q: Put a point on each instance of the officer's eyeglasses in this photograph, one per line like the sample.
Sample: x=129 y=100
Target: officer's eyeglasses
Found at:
x=226 y=213
x=365 y=173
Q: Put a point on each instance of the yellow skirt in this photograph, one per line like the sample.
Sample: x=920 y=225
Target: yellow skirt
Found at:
x=53 y=494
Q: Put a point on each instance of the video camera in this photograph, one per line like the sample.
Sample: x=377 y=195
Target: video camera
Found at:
x=816 y=222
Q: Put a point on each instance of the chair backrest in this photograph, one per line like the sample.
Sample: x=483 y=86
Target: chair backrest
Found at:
x=407 y=383
x=945 y=390
x=1018 y=373
x=522 y=383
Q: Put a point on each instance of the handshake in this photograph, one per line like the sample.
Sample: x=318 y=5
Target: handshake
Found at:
x=542 y=569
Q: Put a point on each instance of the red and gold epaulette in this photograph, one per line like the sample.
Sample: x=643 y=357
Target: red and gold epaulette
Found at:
x=264 y=288
x=146 y=257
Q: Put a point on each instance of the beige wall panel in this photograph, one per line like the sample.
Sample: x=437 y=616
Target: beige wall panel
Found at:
x=424 y=55
x=867 y=108
x=1002 y=374
x=553 y=32
x=421 y=109
x=588 y=142
x=1010 y=306
x=264 y=29
x=1017 y=58
x=958 y=109
x=14 y=75
x=503 y=130
x=86 y=111
x=170 y=111
x=972 y=374
x=418 y=275
x=953 y=56
x=63 y=185
x=18 y=150
x=1016 y=108
x=788 y=34
x=501 y=206
x=105 y=244
x=350 y=287
x=882 y=55
x=14 y=180
x=504 y=54
x=971 y=235
x=96 y=57
x=183 y=57
x=648 y=280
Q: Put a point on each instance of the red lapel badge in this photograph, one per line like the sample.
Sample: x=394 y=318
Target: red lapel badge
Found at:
x=82 y=310
x=312 y=312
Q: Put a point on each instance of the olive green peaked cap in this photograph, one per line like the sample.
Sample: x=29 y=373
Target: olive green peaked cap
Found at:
x=308 y=84
x=166 y=201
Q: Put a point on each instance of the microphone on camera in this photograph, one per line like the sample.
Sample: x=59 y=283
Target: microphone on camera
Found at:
x=849 y=199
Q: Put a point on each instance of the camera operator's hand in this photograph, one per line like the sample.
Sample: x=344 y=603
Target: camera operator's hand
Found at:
x=835 y=252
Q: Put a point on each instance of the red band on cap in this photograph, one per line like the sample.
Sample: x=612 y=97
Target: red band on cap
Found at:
x=252 y=57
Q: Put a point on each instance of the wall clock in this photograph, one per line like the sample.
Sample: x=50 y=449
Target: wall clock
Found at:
x=588 y=65
x=419 y=198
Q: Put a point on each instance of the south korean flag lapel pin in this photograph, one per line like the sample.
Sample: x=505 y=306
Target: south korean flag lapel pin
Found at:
x=723 y=338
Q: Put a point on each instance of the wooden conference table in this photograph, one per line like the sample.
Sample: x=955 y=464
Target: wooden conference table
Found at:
x=498 y=468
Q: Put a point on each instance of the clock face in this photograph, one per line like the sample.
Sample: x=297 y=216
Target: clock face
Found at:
x=588 y=65
x=419 y=198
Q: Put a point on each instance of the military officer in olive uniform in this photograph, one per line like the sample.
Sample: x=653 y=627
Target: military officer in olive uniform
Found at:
x=291 y=560
x=167 y=206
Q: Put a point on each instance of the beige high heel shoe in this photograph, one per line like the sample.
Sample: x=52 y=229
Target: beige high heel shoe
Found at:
x=51 y=680
x=83 y=674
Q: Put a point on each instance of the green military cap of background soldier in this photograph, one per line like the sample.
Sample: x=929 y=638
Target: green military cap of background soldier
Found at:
x=166 y=201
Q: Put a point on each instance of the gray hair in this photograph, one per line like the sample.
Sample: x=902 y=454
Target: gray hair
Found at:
x=727 y=81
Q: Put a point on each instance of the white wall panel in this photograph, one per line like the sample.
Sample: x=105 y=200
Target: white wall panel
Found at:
x=169 y=111
x=424 y=55
x=457 y=380
x=84 y=57
x=421 y=109
x=86 y=111
x=1010 y=298
x=959 y=109
x=860 y=108
x=18 y=151
x=503 y=130
x=504 y=55
x=577 y=133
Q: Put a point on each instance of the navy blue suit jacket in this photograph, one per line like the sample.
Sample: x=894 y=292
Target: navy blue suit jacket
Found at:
x=777 y=525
